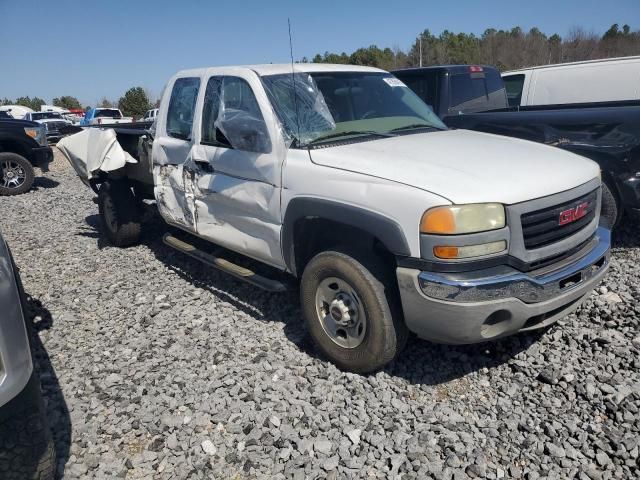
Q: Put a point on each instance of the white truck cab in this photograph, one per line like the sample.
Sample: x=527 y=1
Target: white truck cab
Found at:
x=341 y=177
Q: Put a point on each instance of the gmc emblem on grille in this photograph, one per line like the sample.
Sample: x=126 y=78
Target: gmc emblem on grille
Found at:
x=573 y=214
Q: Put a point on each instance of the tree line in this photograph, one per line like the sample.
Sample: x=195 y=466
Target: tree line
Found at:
x=134 y=103
x=506 y=49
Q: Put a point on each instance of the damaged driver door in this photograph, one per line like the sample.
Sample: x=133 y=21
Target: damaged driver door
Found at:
x=237 y=170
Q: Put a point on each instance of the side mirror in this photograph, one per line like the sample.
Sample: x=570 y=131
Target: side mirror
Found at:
x=244 y=132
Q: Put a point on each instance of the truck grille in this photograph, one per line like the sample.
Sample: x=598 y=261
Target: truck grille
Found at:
x=543 y=227
x=55 y=126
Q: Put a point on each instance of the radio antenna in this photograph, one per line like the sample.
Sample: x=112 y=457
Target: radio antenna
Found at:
x=293 y=81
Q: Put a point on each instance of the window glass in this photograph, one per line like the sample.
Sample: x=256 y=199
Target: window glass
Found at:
x=424 y=85
x=239 y=96
x=239 y=123
x=514 y=84
x=476 y=92
x=346 y=104
x=181 y=107
x=210 y=109
x=107 y=112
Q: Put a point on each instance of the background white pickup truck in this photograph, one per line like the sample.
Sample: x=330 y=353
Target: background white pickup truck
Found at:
x=99 y=116
x=341 y=177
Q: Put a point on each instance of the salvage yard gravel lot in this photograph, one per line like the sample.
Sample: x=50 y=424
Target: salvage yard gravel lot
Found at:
x=154 y=366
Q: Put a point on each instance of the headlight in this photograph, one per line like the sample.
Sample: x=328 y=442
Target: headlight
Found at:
x=458 y=219
x=33 y=132
x=468 y=251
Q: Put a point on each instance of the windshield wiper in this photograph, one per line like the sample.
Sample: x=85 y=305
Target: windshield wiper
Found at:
x=414 y=126
x=351 y=132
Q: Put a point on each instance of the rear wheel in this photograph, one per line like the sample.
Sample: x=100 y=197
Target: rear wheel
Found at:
x=16 y=174
x=610 y=212
x=351 y=312
x=119 y=213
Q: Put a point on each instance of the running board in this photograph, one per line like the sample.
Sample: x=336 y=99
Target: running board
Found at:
x=226 y=266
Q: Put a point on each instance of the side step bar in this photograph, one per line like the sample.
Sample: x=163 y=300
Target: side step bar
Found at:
x=226 y=266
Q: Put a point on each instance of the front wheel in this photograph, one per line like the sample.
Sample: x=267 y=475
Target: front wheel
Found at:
x=610 y=212
x=350 y=313
x=16 y=174
x=119 y=213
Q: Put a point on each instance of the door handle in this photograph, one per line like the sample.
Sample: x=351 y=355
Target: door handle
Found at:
x=204 y=165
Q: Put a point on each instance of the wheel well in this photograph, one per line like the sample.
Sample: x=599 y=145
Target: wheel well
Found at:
x=13 y=147
x=314 y=235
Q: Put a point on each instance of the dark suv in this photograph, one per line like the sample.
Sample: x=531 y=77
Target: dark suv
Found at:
x=23 y=145
x=26 y=445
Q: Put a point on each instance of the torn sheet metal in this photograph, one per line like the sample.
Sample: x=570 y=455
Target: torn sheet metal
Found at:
x=94 y=150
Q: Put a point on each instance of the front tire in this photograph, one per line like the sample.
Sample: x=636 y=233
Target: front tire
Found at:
x=610 y=212
x=119 y=213
x=16 y=174
x=351 y=315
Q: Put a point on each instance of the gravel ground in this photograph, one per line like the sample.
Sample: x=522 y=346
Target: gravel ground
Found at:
x=154 y=366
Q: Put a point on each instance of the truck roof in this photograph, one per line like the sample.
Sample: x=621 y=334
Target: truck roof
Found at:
x=583 y=62
x=275 y=69
x=448 y=68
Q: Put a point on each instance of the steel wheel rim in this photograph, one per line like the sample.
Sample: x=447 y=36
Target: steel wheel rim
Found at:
x=340 y=312
x=13 y=174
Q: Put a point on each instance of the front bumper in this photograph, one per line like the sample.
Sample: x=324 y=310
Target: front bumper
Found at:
x=486 y=304
x=41 y=156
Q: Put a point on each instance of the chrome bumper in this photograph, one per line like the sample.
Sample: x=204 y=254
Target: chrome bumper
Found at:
x=495 y=284
x=488 y=304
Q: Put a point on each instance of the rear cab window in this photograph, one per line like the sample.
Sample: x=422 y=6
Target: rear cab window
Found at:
x=514 y=85
x=425 y=85
x=478 y=90
x=182 y=107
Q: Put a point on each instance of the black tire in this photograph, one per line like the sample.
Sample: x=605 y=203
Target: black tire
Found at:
x=9 y=183
x=119 y=213
x=385 y=335
x=610 y=213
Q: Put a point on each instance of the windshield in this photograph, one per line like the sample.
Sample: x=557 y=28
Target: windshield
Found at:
x=44 y=115
x=108 y=112
x=329 y=105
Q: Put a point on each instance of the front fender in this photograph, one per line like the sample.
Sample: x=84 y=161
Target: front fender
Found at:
x=386 y=230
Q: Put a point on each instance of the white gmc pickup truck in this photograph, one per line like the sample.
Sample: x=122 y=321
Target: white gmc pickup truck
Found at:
x=341 y=177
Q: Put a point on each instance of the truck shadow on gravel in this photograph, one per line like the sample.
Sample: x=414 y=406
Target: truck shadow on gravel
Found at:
x=56 y=406
x=44 y=182
x=421 y=362
x=627 y=235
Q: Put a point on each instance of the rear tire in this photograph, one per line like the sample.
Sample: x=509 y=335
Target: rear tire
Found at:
x=610 y=212
x=338 y=293
x=16 y=174
x=119 y=213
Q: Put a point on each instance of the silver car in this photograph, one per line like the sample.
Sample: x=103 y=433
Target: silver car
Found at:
x=26 y=445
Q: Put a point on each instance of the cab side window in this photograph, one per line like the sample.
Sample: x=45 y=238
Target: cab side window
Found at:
x=210 y=111
x=231 y=116
x=181 y=107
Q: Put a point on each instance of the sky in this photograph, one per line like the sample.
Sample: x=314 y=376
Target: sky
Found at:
x=93 y=49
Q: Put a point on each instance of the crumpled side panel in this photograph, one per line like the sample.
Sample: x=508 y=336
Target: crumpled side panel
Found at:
x=171 y=199
x=94 y=150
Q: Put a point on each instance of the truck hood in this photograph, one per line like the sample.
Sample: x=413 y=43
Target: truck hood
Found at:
x=464 y=166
